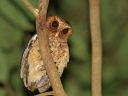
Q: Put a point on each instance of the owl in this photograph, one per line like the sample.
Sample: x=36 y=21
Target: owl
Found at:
x=33 y=71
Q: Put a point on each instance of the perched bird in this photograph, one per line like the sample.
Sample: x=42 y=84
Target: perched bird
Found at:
x=33 y=71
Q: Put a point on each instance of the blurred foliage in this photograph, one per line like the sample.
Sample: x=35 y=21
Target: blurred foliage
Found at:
x=17 y=25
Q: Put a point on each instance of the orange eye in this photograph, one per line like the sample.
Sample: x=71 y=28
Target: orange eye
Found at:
x=65 y=31
x=55 y=24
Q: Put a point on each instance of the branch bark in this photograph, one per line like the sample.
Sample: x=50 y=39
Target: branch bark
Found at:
x=96 y=47
x=46 y=94
x=31 y=8
x=45 y=50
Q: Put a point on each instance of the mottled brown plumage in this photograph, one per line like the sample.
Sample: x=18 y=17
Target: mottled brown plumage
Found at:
x=33 y=70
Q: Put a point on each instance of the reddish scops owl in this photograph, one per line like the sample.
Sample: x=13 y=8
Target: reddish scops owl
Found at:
x=33 y=70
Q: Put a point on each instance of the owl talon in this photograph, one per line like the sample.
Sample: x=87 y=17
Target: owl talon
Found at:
x=36 y=12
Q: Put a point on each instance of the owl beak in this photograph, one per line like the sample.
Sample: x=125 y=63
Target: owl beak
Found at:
x=57 y=34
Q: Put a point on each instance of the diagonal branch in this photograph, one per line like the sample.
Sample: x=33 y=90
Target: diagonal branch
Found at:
x=45 y=50
x=96 y=47
x=46 y=94
x=30 y=7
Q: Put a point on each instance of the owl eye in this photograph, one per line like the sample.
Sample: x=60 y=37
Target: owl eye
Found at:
x=65 y=31
x=55 y=24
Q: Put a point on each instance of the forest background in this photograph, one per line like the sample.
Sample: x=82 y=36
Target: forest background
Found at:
x=17 y=25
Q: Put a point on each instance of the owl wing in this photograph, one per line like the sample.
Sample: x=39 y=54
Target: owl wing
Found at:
x=24 y=61
x=43 y=84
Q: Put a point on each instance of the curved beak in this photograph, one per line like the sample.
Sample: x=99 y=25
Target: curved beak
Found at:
x=57 y=34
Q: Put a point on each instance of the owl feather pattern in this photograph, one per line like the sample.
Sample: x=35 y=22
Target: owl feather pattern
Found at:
x=33 y=71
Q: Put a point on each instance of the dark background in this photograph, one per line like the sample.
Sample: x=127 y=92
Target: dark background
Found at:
x=17 y=25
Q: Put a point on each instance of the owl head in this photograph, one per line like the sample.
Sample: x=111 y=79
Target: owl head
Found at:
x=58 y=27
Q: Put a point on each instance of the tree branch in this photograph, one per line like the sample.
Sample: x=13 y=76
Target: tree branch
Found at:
x=31 y=8
x=45 y=50
x=46 y=94
x=96 y=47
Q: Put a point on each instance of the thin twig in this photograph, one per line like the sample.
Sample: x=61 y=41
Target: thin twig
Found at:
x=46 y=94
x=96 y=47
x=31 y=8
x=45 y=50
